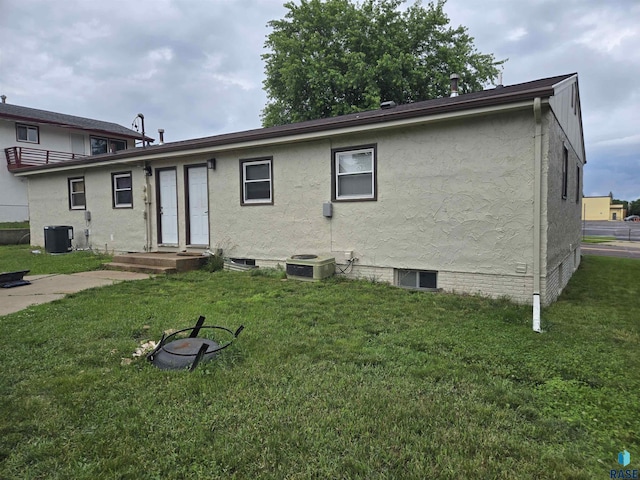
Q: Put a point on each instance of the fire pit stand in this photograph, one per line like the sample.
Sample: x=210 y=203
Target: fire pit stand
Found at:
x=174 y=353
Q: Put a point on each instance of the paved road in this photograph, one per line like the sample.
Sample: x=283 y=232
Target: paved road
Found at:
x=618 y=229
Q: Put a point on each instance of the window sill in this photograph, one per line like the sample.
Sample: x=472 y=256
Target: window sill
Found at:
x=355 y=199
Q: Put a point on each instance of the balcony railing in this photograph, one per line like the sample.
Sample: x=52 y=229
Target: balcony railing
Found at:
x=23 y=157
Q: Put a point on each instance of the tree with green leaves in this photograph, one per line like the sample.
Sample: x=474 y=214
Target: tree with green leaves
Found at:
x=333 y=57
x=634 y=207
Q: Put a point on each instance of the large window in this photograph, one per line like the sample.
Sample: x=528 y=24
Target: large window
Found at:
x=565 y=168
x=103 y=145
x=27 y=133
x=122 y=190
x=417 y=279
x=257 y=181
x=77 y=197
x=354 y=174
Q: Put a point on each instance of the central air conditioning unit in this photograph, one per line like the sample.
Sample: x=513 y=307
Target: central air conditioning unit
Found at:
x=310 y=267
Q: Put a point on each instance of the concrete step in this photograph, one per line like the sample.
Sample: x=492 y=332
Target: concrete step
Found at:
x=179 y=262
x=154 y=259
x=133 y=267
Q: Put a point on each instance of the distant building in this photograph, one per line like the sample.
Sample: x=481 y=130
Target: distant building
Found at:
x=601 y=208
x=30 y=137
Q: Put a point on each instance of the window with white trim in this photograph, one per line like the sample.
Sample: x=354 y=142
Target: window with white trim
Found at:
x=354 y=174
x=417 y=279
x=27 y=133
x=257 y=181
x=77 y=196
x=122 y=190
x=103 y=145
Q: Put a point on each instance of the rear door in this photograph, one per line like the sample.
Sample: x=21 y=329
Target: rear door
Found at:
x=197 y=205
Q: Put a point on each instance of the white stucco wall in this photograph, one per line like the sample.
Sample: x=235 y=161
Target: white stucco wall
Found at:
x=562 y=235
x=110 y=229
x=442 y=204
x=13 y=191
x=454 y=196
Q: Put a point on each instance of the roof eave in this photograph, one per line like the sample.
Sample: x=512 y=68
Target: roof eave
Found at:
x=336 y=123
x=22 y=118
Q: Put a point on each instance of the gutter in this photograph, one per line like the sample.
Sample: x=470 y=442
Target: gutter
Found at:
x=537 y=212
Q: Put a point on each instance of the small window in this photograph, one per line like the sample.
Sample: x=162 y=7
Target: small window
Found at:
x=565 y=168
x=354 y=174
x=257 y=181
x=27 y=133
x=578 y=189
x=122 y=190
x=77 y=197
x=101 y=145
x=417 y=279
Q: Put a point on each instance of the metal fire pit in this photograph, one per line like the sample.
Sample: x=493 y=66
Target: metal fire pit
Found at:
x=174 y=353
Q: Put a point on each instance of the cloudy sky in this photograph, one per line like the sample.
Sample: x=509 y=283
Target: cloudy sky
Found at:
x=193 y=67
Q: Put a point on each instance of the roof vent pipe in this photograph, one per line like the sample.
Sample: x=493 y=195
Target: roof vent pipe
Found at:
x=161 y=133
x=4 y=98
x=499 y=85
x=454 y=84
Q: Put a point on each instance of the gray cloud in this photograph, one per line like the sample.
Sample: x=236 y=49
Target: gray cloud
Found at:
x=194 y=67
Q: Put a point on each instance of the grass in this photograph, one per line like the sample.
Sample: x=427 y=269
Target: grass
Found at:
x=21 y=257
x=597 y=239
x=338 y=379
x=11 y=225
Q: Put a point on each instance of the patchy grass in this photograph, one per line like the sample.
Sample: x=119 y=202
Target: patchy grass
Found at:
x=338 y=379
x=21 y=257
x=11 y=225
x=596 y=239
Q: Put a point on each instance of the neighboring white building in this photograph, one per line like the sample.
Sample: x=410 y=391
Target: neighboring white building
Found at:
x=37 y=137
x=479 y=193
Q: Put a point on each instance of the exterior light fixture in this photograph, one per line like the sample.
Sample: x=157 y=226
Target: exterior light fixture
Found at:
x=211 y=164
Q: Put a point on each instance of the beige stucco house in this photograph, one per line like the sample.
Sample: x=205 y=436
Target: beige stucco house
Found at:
x=478 y=193
x=601 y=208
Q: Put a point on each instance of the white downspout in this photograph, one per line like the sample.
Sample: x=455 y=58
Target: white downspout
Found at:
x=147 y=210
x=537 y=212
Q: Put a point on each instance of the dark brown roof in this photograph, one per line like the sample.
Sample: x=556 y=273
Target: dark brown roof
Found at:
x=485 y=98
x=26 y=114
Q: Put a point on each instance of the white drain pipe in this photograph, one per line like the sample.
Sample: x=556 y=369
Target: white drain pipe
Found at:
x=537 y=212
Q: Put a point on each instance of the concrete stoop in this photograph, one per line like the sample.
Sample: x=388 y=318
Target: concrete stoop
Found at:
x=156 y=263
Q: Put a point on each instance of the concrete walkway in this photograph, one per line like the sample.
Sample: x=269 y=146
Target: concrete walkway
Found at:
x=47 y=288
x=616 y=248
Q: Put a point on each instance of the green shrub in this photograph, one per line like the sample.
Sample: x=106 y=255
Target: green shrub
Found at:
x=214 y=263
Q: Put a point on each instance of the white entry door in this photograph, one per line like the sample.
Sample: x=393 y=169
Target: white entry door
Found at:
x=198 y=198
x=168 y=202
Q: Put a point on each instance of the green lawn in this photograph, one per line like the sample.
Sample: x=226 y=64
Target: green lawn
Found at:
x=22 y=257
x=597 y=239
x=338 y=379
x=10 y=225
